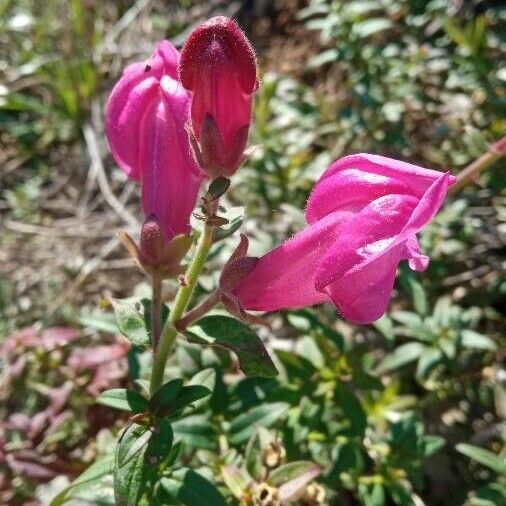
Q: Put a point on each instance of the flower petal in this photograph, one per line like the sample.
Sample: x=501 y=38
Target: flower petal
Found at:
x=417 y=178
x=171 y=179
x=363 y=295
x=128 y=101
x=358 y=271
x=126 y=107
x=350 y=188
x=284 y=277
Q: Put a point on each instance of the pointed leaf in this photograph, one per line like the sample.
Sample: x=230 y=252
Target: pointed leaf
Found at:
x=131 y=470
x=353 y=410
x=188 y=395
x=160 y=442
x=401 y=356
x=415 y=289
x=121 y=398
x=265 y=415
x=196 y=431
x=192 y=489
x=94 y=473
x=235 y=217
x=253 y=458
x=206 y=378
x=162 y=400
x=429 y=359
x=472 y=339
x=131 y=321
x=485 y=457
x=229 y=333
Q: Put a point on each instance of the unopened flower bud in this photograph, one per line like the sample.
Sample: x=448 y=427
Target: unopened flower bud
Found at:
x=159 y=254
x=153 y=242
x=218 y=66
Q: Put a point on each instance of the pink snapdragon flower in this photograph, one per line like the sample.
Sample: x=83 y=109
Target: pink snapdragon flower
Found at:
x=218 y=66
x=146 y=118
x=363 y=217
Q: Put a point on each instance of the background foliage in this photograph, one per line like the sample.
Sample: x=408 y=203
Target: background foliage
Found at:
x=410 y=411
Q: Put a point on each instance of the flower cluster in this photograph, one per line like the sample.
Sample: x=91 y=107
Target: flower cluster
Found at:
x=176 y=120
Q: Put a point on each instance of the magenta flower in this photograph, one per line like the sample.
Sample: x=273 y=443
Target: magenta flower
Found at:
x=218 y=65
x=147 y=113
x=363 y=216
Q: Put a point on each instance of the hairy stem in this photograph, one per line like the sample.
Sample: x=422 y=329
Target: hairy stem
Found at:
x=181 y=301
x=475 y=168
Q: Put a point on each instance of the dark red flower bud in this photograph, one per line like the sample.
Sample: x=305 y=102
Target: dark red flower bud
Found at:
x=218 y=65
x=153 y=242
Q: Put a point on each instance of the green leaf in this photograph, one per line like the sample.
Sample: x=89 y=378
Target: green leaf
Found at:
x=206 y=378
x=400 y=495
x=404 y=354
x=485 y=457
x=327 y=56
x=371 y=26
x=492 y=494
x=131 y=470
x=196 y=431
x=173 y=397
x=162 y=400
x=253 y=458
x=348 y=457
x=174 y=454
x=131 y=322
x=235 y=217
x=353 y=410
x=237 y=480
x=99 y=320
x=265 y=415
x=415 y=290
x=192 y=489
x=143 y=385
x=386 y=327
x=371 y=494
x=429 y=359
x=295 y=365
x=472 y=339
x=415 y=326
x=291 y=471
x=433 y=444
x=121 y=398
x=98 y=470
x=160 y=442
x=229 y=333
x=188 y=395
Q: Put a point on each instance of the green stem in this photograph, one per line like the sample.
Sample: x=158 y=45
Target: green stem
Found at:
x=156 y=309
x=181 y=301
x=199 y=311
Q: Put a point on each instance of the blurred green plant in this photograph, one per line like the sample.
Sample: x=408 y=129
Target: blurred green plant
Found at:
x=50 y=75
x=376 y=410
x=414 y=74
